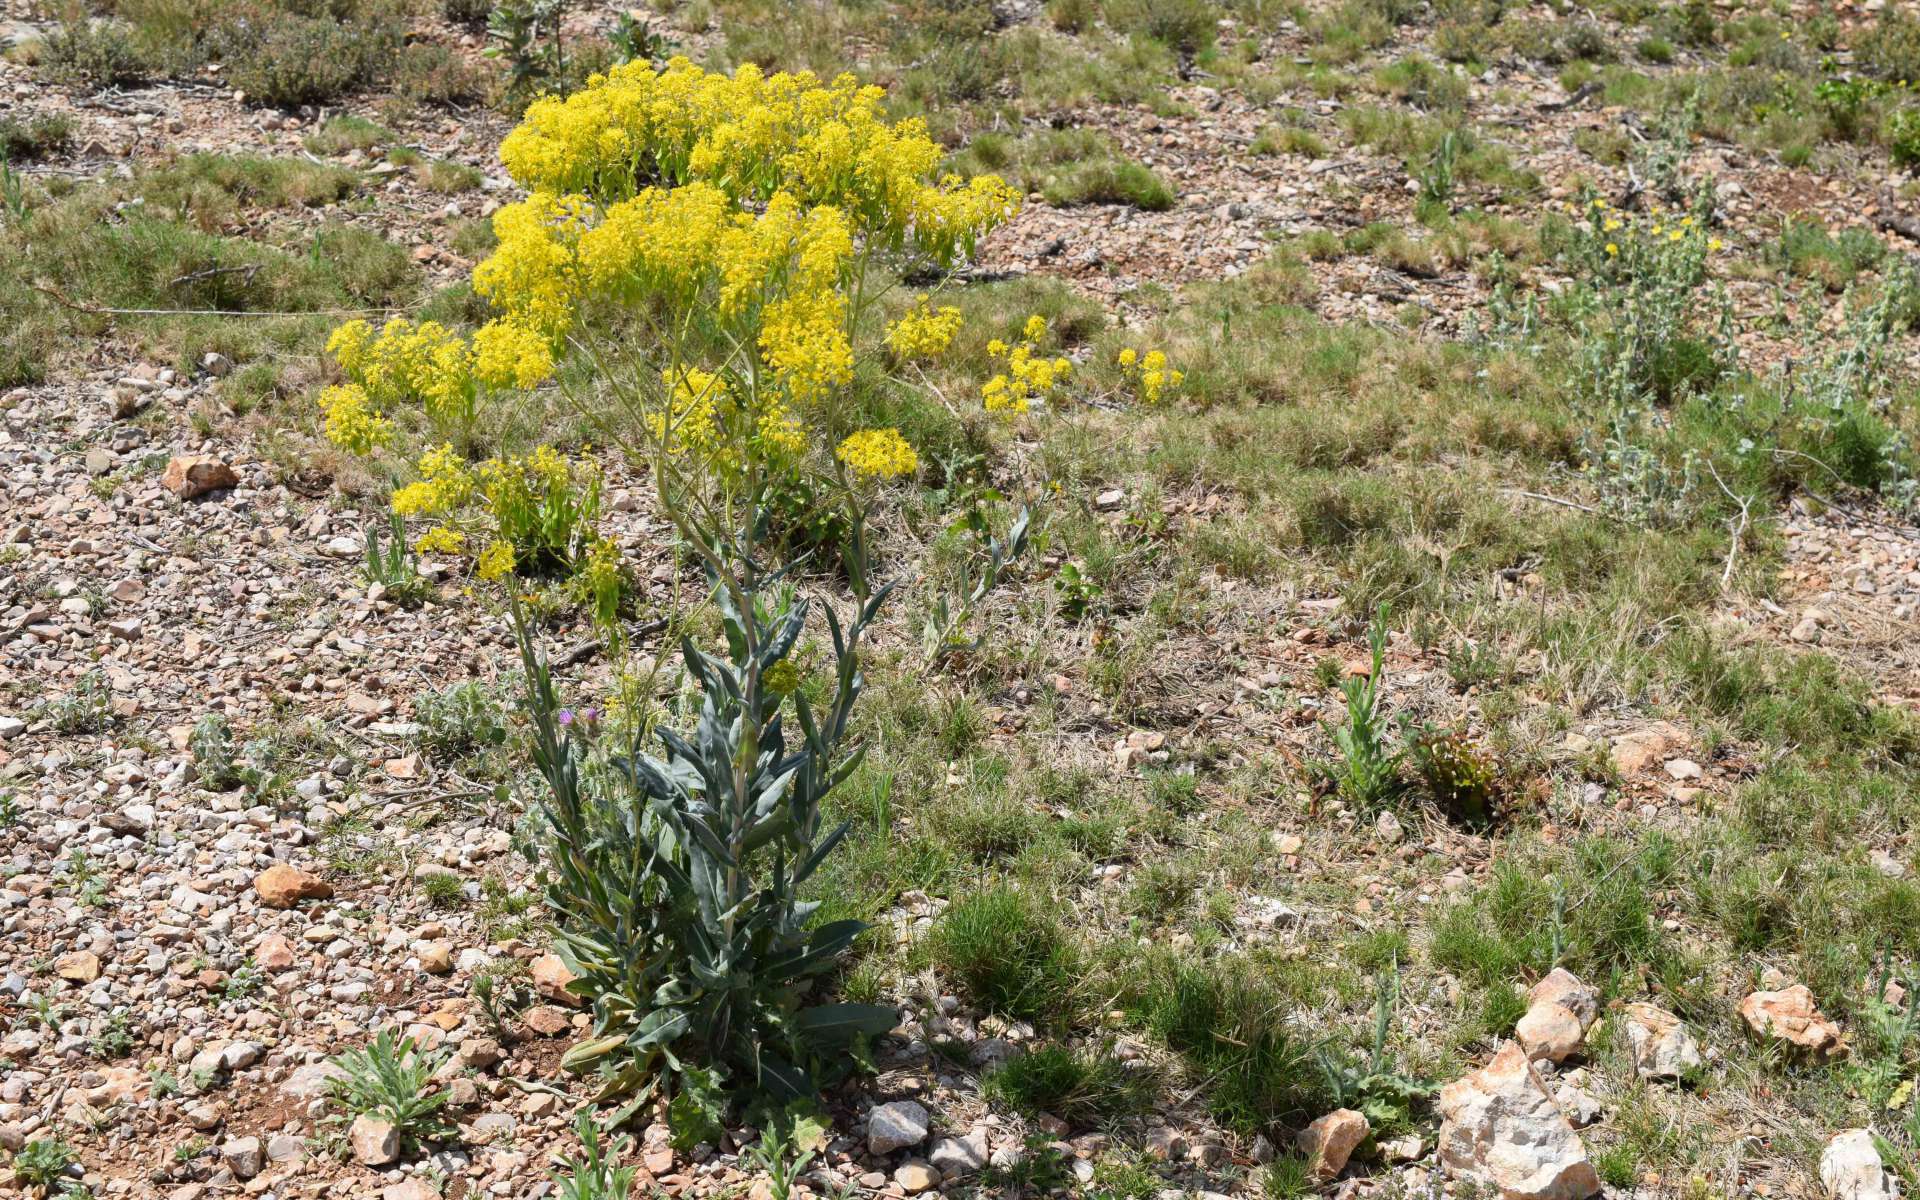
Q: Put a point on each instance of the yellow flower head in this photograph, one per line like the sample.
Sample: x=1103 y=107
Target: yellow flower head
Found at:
x=353 y=423
x=923 y=333
x=878 y=454
x=506 y=354
x=348 y=344
x=496 y=561
x=1612 y=248
x=441 y=539
x=1035 y=328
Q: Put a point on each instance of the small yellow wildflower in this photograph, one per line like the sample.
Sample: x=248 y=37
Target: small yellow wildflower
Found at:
x=353 y=423
x=1612 y=248
x=348 y=344
x=1714 y=244
x=496 y=561
x=878 y=454
x=506 y=354
x=441 y=539
x=1035 y=328
x=923 y=333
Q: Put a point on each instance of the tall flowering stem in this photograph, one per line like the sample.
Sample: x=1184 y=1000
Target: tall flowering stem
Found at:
x=737 y=224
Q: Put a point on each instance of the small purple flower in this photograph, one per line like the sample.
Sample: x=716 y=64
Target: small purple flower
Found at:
x=566 y=717
x=587 y=719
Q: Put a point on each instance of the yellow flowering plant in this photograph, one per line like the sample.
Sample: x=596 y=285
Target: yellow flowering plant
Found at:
x=1652 y=333
x=714 y=247
x=1149 y=376
x=1028 y=376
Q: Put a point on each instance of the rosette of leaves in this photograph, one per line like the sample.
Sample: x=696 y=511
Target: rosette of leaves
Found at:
x=676 y=877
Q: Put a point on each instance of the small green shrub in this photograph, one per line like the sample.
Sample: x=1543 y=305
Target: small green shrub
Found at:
x=431 y=73
x=1454 y=772
x=1891 y=50
x=95 y=52
x=86 y=709
x=1902 y=136
x=1072 y=16
x=292 y=59
x=1367 y=772
x=27 y=138
x=1184 y=26
x=212 y=748
x=470 y=13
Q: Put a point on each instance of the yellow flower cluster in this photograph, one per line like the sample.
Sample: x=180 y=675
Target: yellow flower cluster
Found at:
x=753 y=135
x=537 y=509
x=441 y=539
x=426 y=362
x=445 y=484
x=534 y=272
x=509 y=355
x=704 y=418
x=353 y=422
x=1151 y=378
x=924 y=332
x=1029 y=375
x=496 y=561
x=878 y=454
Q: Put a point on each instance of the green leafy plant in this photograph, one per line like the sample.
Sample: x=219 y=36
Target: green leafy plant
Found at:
x=114 y=1039
x=460 y=719
x=394 y=565
x=1453 y=772
x=89 y=887
x=42 y=1164
x=527 y=37
x=86 y=709
x=944 y=631
x=210 y=746
x=1386 y=1097
x=595 y=1173
x=1436 y=181
x=392 y=1078
x=503 y=993
x=789 y=1140
x=1367 y=772
x=677 y=887
x=13 y=192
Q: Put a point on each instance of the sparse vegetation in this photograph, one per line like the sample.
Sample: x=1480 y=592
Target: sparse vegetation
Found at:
x=1417 y=498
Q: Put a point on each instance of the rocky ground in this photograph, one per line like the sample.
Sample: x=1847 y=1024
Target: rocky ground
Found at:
x=182 y=961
